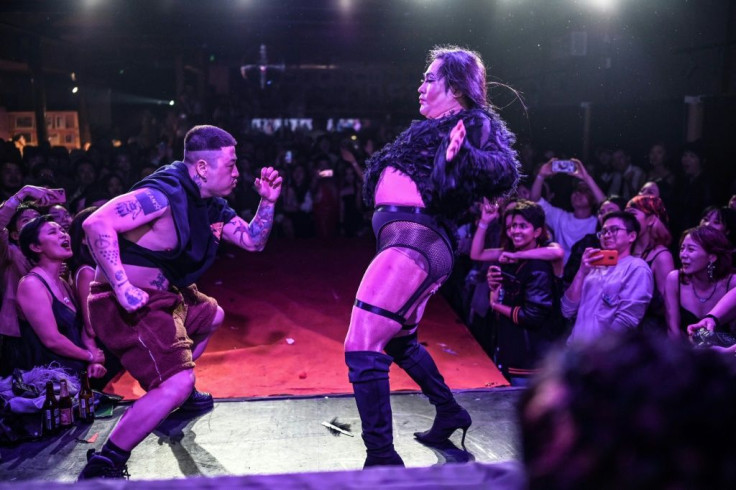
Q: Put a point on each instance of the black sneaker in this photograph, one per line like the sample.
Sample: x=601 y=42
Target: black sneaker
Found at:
x=198 y=401
x=99 y=466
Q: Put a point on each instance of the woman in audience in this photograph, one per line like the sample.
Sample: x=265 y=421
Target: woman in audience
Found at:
x=651 y=246
x=722 y=219
x=52 y=327
x=658 y=164
x=525 y=294
x=506 y=254
x=61 y=215
x=705 y=277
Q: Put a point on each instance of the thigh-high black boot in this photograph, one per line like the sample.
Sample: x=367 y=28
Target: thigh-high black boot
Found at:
x=368 y=372
x=413 y=358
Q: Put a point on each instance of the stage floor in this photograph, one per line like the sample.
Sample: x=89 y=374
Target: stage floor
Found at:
x=273 y=436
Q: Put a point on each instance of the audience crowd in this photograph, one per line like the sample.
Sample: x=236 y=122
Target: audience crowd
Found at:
x=579 y=250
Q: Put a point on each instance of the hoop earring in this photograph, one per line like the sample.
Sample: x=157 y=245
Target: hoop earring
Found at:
x=710 y=269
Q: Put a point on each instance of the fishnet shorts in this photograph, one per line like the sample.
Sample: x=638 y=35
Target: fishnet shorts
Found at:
x=420 y=236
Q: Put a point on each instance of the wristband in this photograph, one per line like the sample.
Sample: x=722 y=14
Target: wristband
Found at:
x=716 y=321
x=482 y=225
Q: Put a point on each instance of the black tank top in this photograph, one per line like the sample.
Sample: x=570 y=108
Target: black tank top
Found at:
x=69 y=324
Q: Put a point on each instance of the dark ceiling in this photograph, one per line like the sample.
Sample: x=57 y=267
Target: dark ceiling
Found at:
x=133 y=45
x=106 y=38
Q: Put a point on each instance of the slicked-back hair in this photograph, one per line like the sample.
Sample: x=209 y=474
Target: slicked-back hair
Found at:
x=464 y=71
x=29 y=235
x=206 y=138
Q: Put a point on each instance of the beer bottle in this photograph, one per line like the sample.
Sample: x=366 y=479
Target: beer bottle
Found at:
x=66 y=407
x=50 y=410
x=86 y=400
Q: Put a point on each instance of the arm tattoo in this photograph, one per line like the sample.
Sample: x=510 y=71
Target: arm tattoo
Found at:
x=133 y=299
x=258 y=229
x=147 y=201
x=128 y=208
x=160 y=282
x=103 y=241
x=106 y=247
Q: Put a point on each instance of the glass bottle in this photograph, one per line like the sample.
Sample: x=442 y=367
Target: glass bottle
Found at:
x=50 y=410
x=66 y=406
x=86 y=400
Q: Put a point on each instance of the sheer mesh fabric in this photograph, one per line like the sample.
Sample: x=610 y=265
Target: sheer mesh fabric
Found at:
x=430 y=249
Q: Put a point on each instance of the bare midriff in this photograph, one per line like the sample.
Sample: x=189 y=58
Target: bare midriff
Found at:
x=141 y=277
x=158 y=235
x=395 y=187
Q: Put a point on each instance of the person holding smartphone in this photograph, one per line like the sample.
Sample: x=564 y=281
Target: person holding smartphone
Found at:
x=569 y=227
x=525 y=295
x=612 y=289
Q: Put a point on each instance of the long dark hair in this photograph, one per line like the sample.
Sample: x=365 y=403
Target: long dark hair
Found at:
x=464 y=71
x=81 y=254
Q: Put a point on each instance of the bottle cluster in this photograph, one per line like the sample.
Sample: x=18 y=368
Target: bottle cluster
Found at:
x=59 y=414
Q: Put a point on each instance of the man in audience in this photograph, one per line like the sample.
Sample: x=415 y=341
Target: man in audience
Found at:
x=611 y=297
x=569 y=227
x=627 y=178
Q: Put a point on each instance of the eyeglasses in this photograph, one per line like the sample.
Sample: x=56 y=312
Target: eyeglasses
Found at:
x=609 y=231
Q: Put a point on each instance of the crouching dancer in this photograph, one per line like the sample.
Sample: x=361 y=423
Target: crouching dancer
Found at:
x=150 y=246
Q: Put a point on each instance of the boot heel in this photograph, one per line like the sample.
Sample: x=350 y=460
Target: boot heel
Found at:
x=444 y=426
x=465 y=431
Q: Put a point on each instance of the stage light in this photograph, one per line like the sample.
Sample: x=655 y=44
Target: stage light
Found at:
x=604 y=4
x=171 y=102
x=75 y=90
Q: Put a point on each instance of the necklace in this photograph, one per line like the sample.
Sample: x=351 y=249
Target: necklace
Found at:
x=703 y=300
x=67 y=301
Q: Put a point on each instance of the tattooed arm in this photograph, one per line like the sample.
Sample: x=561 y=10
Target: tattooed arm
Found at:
x=252 y=236
x=124 y=213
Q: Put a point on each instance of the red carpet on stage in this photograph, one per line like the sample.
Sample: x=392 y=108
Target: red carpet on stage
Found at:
x=287 y=310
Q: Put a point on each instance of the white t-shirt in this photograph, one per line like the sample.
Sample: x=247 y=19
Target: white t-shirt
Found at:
x=567 y=229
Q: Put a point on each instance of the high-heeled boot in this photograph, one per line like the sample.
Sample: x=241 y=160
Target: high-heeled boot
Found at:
x=368 y=372
x=413 y=358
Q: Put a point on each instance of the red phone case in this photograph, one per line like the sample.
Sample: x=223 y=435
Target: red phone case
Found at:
x=608 y=258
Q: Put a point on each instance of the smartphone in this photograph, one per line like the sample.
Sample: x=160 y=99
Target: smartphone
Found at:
x=607 y=258
x=288 y=157
x=505 y=275
x=55 y=196
x=564 y=166
x=325 y=173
